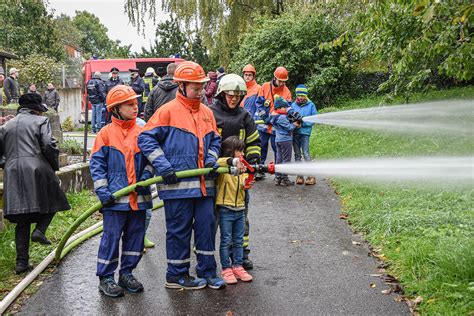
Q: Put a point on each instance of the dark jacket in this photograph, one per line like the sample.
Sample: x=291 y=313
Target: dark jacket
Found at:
x=51 y=98
x=11 y=88
x=138 y=85
x=96 y=91
x=162 y=93
x=109 y=84
x=238 y=122
x=31 y=157
x=211 y=86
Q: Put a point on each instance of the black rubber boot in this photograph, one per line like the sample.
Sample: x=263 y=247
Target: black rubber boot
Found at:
x=39 y=237
x=22 y=243
x=128 y=282
x=108 y=286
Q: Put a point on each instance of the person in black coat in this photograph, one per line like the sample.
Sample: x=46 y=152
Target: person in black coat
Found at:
x=138 y=85
x=31 y=188
x=162 y=93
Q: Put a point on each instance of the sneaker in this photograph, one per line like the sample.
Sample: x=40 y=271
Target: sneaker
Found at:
x=310 y=181
x=128 y=282
x=299 y=180
x=215 y=283
x=108 y=286
x=228 y=276
x=186 y=282
x=247 y=264
x=148 y=243
x=241 y=274
x=286 y=182
x=39 y=237
x=259 y=176
x=277 y=181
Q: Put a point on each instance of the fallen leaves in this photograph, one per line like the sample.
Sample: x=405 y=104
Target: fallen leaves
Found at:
x=373 y=285
x=344 y=216
x=356 y=243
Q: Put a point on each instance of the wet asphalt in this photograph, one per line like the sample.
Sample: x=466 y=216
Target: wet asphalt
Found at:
x=305 y=264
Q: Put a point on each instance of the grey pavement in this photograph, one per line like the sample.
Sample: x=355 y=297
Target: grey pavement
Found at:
x=305 y=264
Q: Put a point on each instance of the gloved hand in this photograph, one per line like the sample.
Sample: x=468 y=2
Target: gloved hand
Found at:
x=213 y=174
x=142 y=190
x=170 y=178
x=109 y=201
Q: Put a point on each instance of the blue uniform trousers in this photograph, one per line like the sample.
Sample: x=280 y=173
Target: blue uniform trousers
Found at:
x=265 y=138
x=130 y=226
x=182 y=216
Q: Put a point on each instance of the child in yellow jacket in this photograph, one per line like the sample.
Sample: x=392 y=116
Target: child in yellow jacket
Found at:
x=230 y=204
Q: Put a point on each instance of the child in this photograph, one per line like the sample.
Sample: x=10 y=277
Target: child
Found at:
x=230 y=203
x=116 y=162
x=305 y=107
x=284 y=137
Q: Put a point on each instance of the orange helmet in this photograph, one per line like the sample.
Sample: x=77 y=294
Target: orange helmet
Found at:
x=189 y=71
x=118 y=95
x=249 y=68
x=281 y=73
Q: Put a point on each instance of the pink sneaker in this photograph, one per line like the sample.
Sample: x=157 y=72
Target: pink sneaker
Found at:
x=241 y=274
x=228 y=276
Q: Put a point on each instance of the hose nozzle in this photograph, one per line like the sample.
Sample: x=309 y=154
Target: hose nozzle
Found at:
x=265 y=168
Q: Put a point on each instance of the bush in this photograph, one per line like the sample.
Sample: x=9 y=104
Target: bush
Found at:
x=71 y=147
x=68 y=125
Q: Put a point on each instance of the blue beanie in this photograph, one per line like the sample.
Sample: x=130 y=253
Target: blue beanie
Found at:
x=301 y=89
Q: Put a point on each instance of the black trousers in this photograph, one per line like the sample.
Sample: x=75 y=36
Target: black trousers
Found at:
x=22 y=236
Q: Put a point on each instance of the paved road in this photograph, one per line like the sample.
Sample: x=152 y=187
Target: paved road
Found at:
x=305 y=264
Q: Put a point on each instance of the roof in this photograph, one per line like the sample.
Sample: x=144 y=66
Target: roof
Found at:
x=8 y=55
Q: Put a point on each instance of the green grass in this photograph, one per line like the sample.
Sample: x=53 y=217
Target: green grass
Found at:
x=425 y=234
x=8 y=279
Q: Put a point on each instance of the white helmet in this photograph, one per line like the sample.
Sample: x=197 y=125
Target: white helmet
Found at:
x=149 y=71
x=232 y=84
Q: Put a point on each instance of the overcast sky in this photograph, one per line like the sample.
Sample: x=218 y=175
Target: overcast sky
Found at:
x=111 y=14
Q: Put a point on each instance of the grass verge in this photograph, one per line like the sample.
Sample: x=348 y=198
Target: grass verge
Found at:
x=8 y=279
x=425 y=235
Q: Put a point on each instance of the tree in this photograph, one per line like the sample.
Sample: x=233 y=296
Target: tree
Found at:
x=69 y=34
x=220 y=23
x=95 y=40
x=28 y=28
x=38 y=69
x=171 y=40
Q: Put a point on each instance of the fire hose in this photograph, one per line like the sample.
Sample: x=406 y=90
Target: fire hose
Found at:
x=67 y=243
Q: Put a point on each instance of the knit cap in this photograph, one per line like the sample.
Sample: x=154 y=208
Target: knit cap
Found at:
x=301 y=90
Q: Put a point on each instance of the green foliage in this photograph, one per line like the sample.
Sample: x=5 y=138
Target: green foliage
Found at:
x=38 y=69
x=69 y=34
x=71 y=146
x=327 y=71
x=426 y=235
x=67 y=125
x=420 y=42
x=95 y=39
x=79 y=203
x=27 y=28
x=171 y=40
x=220 y=23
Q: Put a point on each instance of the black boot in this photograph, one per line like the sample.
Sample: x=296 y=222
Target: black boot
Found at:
x=22 y=243
x=247 y=264
x=38 y=236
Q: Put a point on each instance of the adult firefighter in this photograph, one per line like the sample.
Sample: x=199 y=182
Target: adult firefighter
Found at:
x=233 y=120
x=183 y=135
x=248 y=102
x=265 y=106
x=151 y=80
